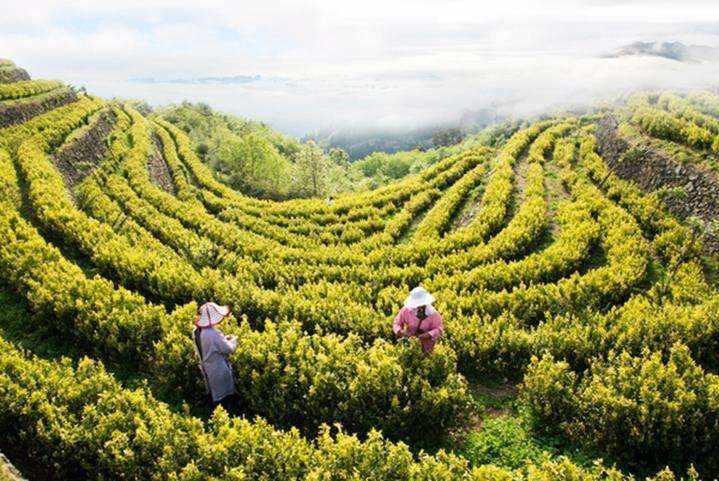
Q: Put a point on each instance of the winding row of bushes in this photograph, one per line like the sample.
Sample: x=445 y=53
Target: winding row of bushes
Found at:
x=609 y=392
x=27 y=88
x=631 y=382
x=401 y=255
x=437 y=220
x=645 y=410
x=122 y=327
x=82 y=423
x=664 y=125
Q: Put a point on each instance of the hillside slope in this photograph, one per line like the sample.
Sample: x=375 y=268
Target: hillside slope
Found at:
x=550 y=270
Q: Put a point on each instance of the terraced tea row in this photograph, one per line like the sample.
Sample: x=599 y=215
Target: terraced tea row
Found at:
x=565 y=275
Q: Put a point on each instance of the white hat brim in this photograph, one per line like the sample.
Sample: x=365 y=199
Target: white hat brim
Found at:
x=212 y=314
x=413 y=303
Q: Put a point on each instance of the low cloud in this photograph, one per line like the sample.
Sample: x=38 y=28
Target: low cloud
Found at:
x=372 y=63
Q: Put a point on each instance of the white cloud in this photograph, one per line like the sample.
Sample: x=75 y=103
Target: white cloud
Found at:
x=399 y=60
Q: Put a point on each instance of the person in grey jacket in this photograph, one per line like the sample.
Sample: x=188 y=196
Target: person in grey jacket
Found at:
x=213 y=349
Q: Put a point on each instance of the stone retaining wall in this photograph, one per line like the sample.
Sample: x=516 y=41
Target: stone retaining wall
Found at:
x=13 y=112
x=79 y=158
x=651 y=170
x=159 y=171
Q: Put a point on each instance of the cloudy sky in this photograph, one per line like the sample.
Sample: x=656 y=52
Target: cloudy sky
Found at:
x=372 y=63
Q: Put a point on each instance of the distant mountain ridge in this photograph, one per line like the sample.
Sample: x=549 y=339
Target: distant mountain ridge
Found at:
x=670 y=50
x=358 y=143
x=235 y=79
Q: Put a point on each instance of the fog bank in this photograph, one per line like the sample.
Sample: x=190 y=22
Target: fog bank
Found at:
x=311 y=65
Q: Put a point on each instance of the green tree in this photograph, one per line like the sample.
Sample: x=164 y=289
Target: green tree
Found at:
x=447 y=137
x=339 y=157
x=252 y=165
x=312 y=169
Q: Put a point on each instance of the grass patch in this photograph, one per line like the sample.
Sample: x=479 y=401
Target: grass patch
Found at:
x=503 y=436
x=503 y=441
x=509 y=442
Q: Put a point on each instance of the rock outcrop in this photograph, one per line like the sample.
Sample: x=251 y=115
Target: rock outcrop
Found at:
x=10 y=74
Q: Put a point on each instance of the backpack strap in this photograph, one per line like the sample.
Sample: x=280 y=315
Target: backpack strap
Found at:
x=197 y=338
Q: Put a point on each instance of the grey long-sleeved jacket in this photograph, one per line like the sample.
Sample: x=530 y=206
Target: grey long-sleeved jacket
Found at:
x=215 y=364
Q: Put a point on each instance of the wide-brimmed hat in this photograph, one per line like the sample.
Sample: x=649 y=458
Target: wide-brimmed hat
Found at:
x=418 y=297
x=211 y=314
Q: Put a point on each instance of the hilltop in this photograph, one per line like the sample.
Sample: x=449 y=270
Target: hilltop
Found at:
x=670 y=50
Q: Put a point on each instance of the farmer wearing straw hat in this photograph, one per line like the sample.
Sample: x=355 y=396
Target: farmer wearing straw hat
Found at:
x=213 y=349
x=419 y=319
